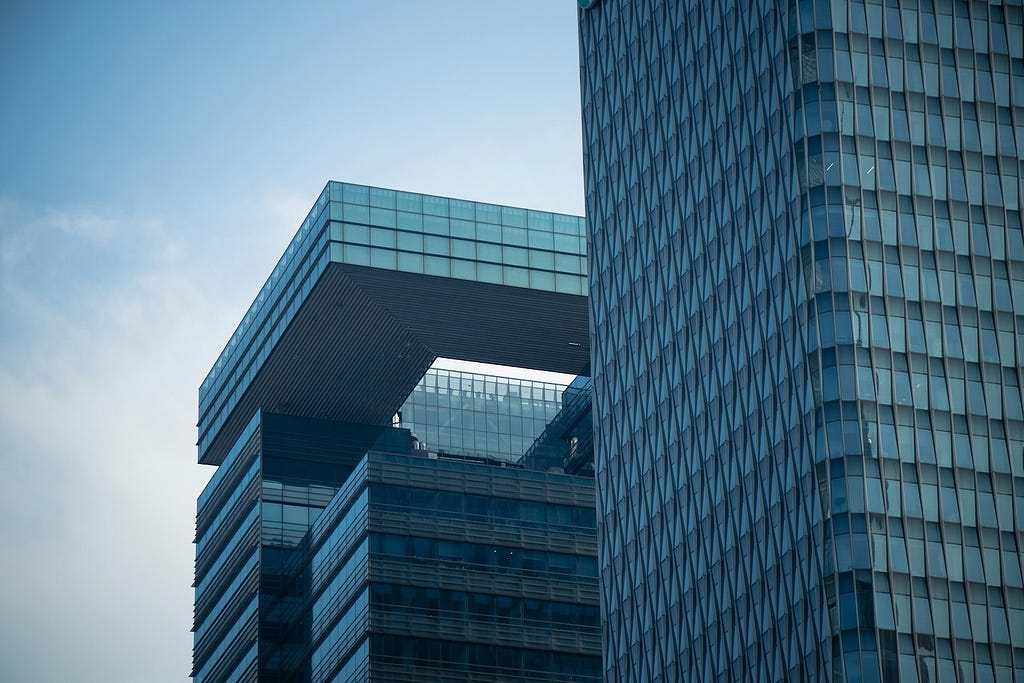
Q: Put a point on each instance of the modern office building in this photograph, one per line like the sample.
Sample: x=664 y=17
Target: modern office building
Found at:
x=373 y=520
x=807 y=301
x=445 y=570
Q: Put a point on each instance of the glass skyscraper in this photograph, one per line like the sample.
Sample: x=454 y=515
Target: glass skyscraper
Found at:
x=371 y=517
x=807 y=303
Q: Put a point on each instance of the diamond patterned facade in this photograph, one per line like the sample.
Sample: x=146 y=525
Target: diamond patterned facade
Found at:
x=807 y=309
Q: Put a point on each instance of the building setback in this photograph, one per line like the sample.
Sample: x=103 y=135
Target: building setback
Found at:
x=368 y=521
x=807 y=299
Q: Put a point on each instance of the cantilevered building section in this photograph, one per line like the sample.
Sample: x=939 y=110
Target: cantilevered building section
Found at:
x=373 y=520
x=377 y=284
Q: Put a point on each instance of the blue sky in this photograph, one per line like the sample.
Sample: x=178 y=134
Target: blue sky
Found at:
x=157 y=158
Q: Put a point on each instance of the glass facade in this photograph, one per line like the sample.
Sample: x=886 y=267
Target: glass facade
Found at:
x=390 y=230
x=455 y=238
x=227 y=559
x=480 y=567
x=316 y=563
x=471 y=414
x=253 y=522
x=437 y=570
x=807 y=303
x=567 y=442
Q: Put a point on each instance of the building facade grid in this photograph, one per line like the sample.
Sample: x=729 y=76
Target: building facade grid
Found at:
x=807 y=278
x=358 y=225
x=480 y=415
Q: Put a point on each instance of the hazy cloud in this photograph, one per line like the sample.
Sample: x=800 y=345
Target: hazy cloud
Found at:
x=97 y=396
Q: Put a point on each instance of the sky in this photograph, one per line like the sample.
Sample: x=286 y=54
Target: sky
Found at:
x=155 y=160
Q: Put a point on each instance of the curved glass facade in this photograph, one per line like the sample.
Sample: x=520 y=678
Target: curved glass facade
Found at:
x=807 y=303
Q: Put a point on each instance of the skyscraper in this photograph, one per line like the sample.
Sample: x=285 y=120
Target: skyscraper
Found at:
x=807 y=302
x=371 y=519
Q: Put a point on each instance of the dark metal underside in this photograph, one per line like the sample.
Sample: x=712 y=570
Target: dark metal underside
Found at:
x=365 y=336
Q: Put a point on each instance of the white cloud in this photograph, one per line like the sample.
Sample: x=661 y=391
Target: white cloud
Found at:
x=98 y=376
